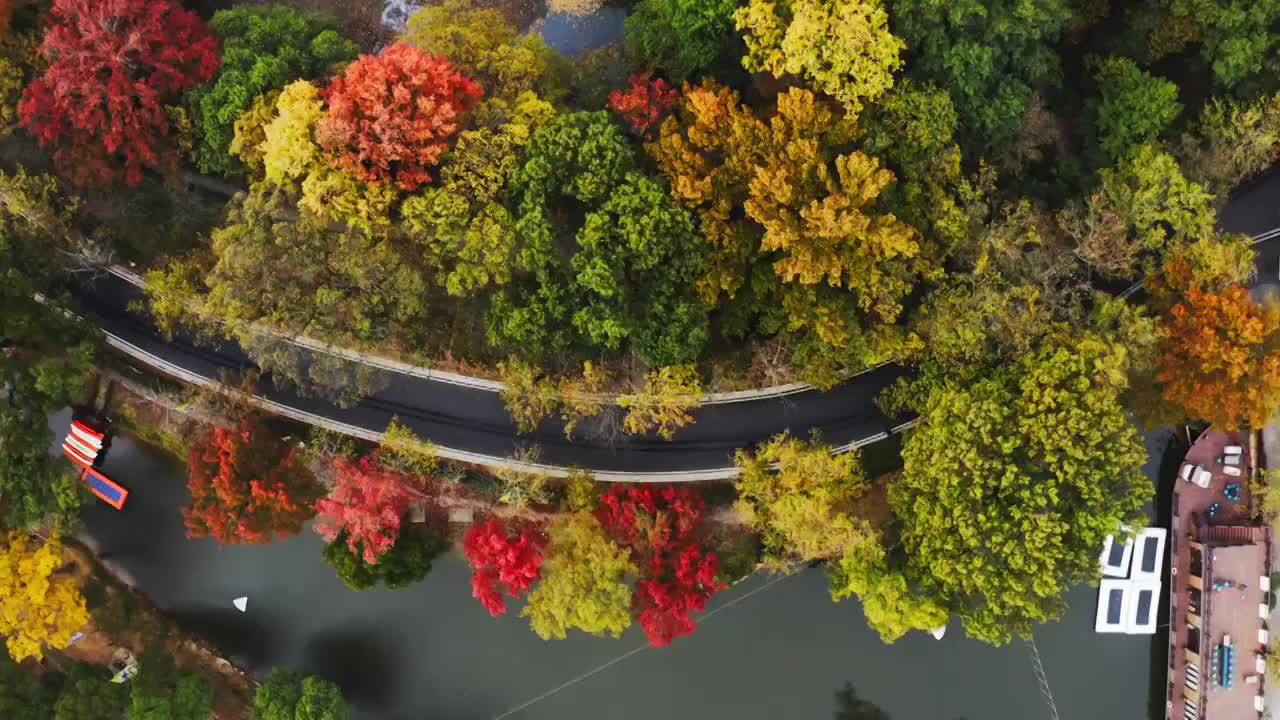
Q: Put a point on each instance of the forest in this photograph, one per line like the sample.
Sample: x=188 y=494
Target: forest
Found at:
x=739 y=193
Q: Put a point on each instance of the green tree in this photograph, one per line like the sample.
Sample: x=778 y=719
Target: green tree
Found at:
x=843 y=46
x=1133 y=107
x=45 y=358
x=892 y=609
x=276 y=697
x=681 y=37
x=286 y=696
x=321 y=700
x=1011 y=482
x=24 y=697
x=162 y=692
x=264 y=47
x=1237 y=38
x=801 y=499
x=634 y=260
x=991 y=55
x=406 y=563
x=582 y=582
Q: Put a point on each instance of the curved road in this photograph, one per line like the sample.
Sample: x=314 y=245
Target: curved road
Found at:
x=471 y=424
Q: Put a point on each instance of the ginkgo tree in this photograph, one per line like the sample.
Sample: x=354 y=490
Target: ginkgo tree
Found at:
x=38 y=607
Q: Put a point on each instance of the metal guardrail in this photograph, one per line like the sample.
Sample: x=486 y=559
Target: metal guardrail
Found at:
x=452 y=378
x=724 y=473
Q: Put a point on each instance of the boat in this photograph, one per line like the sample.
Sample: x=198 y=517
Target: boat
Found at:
x=1219 y=587
x=86 y=444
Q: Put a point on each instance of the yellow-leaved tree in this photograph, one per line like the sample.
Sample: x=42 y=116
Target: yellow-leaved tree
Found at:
x=37 y=608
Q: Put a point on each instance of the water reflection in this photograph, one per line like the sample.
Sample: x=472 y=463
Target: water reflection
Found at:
x=851 y=707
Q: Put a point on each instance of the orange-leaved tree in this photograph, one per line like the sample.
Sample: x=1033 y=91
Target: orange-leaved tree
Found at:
x=391 y=115
x=1219 y=359
x=247 y=486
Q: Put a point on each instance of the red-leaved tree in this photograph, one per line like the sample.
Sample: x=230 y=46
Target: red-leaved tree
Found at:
x=664 y=604
x=391 y=115
x=504 y=559
x=113 y=67
x=368 y=502
x=662 y=528
x=247 y=486
x=644 y=104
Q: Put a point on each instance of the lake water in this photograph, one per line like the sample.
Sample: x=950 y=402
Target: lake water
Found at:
x=770 y=648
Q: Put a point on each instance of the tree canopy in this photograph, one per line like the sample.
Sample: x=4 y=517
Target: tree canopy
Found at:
x=113 y=68
x=1011 y=482
x=264 y=48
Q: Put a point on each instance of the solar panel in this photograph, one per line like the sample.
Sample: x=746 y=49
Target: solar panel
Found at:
x=1114 y=602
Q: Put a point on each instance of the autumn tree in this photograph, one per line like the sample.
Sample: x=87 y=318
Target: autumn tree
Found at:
x=803 y=507
x=1134 y=106
x=681 y=37
x=114 y=67
x=263 y=49
x=1219 y=360
x=990 y=54
x=391 y=116
x=662 y=527
x=1011 y=482
x=505 y=558
x=643 y=104
x=634 y=259
x=38 y=608
x=45 y=357
x=1144 y=204
x=664 y=403
x=406 y=562
x=366 y=506
x=247 y=486
x=583 y=581
x=481 y=43
x=1231 y=141
x=843 y=47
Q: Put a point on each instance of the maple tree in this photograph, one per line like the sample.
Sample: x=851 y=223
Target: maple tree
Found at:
x=661 y=527
x=505 y=558
x=1219 y=359
x=366 y=505
x=114 y=66
x=390 y=116
x=644 y=103
x=247 y=486
x=37 y=607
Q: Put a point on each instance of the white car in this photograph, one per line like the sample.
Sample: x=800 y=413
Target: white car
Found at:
x=1202 y=477
x=1185 y=471
x=1232 y=471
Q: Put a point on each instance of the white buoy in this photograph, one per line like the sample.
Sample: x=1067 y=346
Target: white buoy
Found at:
x=938 y=632
x=241 y=603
